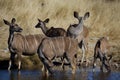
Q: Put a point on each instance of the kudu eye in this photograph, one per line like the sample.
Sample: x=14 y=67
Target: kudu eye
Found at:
x=41 y=23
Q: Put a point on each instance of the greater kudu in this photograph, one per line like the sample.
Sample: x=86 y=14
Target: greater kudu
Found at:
x=52 y=32
x=21 y=45
x=102 y=51
x=65 y=47
x=80 y=32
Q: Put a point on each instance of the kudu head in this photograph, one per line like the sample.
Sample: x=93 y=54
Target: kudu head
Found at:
x=107 y=62
x=12 y=26
x=81 y=18
x=42 y=23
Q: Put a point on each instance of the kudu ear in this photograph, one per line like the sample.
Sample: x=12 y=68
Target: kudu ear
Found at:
x=6 y=22
x=46 y=20
x=87 y=14
x=76 y=15
x=13 y=20
x=39 y=20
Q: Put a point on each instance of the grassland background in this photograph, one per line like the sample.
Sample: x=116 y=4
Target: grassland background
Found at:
x=104 y=18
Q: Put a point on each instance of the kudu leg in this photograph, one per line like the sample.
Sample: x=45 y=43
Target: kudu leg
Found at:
x=83 y=53
x=101 y=67
x=46 y=66
x=45 y=62
x=103 y=64
x=63 y=61
x=72 y=60
x=10 y=63
x=103 y=59
x=106 y=63
x=62 y=65
x=94 y=62
x=73 y=64
x=95 y=58
x=86 y=52
x=12 y=57
x=43 y=68
x=46 y=71
x=19 y=60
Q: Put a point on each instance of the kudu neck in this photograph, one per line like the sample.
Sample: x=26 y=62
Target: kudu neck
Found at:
x=80 y=24
x=44 y=29
x=11 y=36
x=79 y=28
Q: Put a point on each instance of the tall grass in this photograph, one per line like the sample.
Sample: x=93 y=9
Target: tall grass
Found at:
x=104 y=16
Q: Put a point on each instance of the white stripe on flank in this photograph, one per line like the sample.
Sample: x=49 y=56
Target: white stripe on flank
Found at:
x=35 y=40
x=69 y=43
x=40 y=52
x=53 y=45
x=50 y=44
x=26 y=42
x=57 y=45
x=63 y=43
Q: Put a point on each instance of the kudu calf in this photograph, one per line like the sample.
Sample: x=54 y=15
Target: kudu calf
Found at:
x=102 y=51
x=52 y=32
x=80 y=32
x=21 y=45
x=65 y=47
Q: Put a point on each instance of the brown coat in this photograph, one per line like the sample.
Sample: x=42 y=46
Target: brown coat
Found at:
x=102 y=51
x=28 y=45
x=58 y=47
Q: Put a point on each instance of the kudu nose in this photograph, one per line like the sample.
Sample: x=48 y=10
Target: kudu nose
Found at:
x=37 y=26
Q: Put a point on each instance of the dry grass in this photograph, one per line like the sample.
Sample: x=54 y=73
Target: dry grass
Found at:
x=104 y=17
